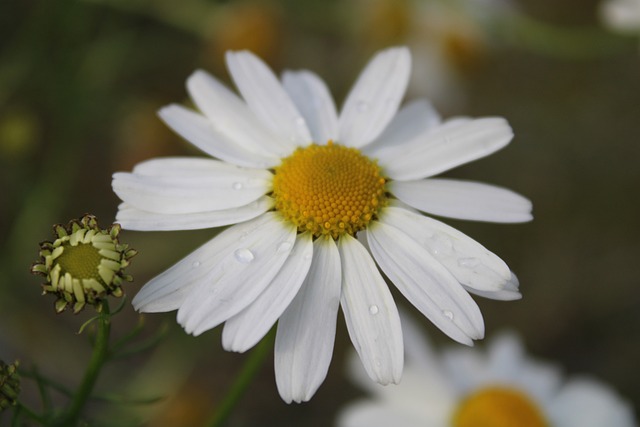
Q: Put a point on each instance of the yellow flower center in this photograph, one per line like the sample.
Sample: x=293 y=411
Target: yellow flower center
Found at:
x=81 y=261
x=328 y=189
x=498 y=407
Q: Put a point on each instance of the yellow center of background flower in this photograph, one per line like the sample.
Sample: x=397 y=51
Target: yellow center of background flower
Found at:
x=498 y=407
x=328 y=189
x=81 y=261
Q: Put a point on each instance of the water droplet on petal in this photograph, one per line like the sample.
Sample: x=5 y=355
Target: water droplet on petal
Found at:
x=300 y=121
x=468 y=262
x=362 y=106
x=308 y=255
x=237 y=186
x=284 y=246
x=440 y=245
x=244 y=255
x=373 y=310
x=195 y=264
x=448 y=314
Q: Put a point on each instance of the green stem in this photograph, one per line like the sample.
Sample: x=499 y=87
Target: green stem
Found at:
x=98 y=358
x=21 y=409
x=44 y=392
x=238 y=388
x=43 y=381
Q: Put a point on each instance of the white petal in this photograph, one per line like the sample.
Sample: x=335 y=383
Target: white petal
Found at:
x=418 y=385
x=192 y=166
x=245 y=329
x=509 y=292
x=314 y=101
x=168 y=290
x=446 y=147
x=507 y=363
x=232 y=117
x=541 y=380
x=199 y=131
x=243 y=270
x=131 y=218
x=370 y=313
x=307 y=328
x=467 y=260
x=463 y=200
x=411 y=123
x=585 y=402
x=375 y=97
x=505 y=356
x=466 y=368
x=267 y=99
x=426 y=283
x=418 y=351
x=377 y=414
x=179 y=185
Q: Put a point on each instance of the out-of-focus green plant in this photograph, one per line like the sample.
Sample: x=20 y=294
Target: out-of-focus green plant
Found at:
x=9 y=385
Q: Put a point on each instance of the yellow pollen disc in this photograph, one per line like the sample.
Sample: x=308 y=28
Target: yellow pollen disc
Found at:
x=328 y=189
x=81 y=261
x=498 y=407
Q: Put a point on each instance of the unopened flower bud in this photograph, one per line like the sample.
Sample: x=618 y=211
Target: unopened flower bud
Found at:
x=84 y=265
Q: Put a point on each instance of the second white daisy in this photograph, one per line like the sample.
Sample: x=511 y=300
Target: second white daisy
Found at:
x=499 y=387
x=301 y=182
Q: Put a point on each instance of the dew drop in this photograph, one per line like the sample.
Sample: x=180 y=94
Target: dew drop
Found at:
x=237 y=186
x=448 y=314
x=244 y=255
x=468 y=262
x=308 y=255
x=300 y=121
x=373 y=310
x=284 y=246
x=195 y=264
x=440 y=245
x=362 y=106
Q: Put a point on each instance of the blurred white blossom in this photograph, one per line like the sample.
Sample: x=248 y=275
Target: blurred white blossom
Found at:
x=498 y=387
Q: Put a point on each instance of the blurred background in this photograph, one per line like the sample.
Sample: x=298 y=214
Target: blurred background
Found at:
x=80 y=84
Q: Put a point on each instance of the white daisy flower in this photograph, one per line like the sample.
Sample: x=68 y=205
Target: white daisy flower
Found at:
x=300 y=181
x=501 y=387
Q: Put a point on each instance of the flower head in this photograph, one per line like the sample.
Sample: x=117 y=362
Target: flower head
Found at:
x=9 y=384
x=316 y=197
x=84 y=264
x=499 y=387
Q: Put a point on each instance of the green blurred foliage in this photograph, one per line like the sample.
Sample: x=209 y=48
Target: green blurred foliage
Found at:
x=80 y=82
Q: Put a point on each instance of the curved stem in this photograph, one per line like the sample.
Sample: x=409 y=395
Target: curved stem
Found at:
x=98 y=358
x=246 y=375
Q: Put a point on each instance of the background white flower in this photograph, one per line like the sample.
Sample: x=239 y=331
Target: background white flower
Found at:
x=448 y=40
x=500 y=387
x=621 y=15
x=298 y=199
